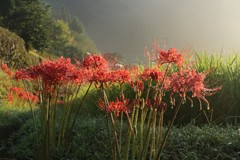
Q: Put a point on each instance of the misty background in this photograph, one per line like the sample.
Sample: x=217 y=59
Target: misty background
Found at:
x=128 y=26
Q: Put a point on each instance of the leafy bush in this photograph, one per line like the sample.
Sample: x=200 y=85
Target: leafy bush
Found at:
x=12 y=49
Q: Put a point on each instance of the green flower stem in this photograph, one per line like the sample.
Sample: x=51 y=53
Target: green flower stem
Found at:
x=143 y=152
x=120 y=136
x=130 y=132
x=160 y=126
x=62 y=124
x=153 y=145
x=107 y=119
x=80 y=106
x=168 y=130
x=33 y=114
x=143 y=117
x=54 y=115
x=116 y=144
x=135 y=128
x=148 y=90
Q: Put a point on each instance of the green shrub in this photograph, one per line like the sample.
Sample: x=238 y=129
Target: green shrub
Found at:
x=12 y=49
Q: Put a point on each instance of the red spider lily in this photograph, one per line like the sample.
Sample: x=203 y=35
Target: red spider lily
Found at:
x=170 y=56
x=100 y=77
x=191 y=81
x=51 y=72
x=34 y=98
x=5 y=69
x=10 y=98
x=101 y=104
x=138 y=86
x=24 y=95
x=82 y=75
x=121 y=76
x=15 y=89
x=95 y=62
x=154 y=74
x=104 y=77
x=115 y=107
x=118 y=106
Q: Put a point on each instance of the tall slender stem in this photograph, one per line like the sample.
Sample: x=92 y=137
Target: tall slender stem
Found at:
x=33 y=114
x=168 y=130
x=80 y=106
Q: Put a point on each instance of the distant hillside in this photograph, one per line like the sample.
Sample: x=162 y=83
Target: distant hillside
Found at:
x=127 y=26
x=110 y=24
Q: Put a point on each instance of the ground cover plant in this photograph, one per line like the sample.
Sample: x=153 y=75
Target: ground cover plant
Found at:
x=186 y=142
x=56 y=85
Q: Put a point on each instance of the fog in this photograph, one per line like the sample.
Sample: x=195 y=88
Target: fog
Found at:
x=128 y=26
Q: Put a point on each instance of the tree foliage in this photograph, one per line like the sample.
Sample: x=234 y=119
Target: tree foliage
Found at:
x=7 y=7
x=61 y=37
x=75 y=45
x=31 y=21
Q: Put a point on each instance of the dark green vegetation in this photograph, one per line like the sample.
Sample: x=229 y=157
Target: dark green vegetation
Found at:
x=91 y=142
x=59 y=34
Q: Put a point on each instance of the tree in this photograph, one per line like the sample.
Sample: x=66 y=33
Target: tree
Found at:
x=31 y=20
x=76 y=25
x=79 y=43
x=7 y=7
x=60 y=37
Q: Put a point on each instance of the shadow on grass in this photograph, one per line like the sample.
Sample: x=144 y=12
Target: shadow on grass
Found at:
x=11 y=120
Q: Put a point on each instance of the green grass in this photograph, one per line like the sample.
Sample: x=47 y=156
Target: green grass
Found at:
x=10 y=115
x=206 y=142
x=91 y=142
x=224 y=70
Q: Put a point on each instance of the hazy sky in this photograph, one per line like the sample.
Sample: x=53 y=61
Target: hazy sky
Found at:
x=127 y=26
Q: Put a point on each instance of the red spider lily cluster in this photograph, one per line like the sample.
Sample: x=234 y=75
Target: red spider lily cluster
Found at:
x=154 y=74
x=59 y=82
x=170 y=56
x=9 y=98
x=5 y=69
x=188 y=80
x=22 y=95
x=179 y=82
x=115 y=107
x=52 y=72
x=95 y=69
x=95 y=62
